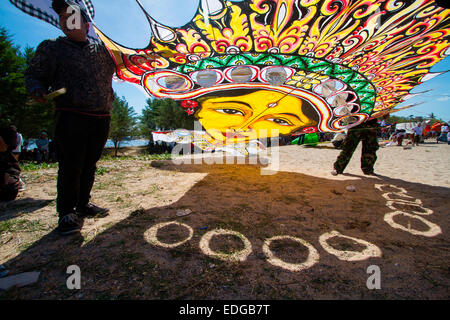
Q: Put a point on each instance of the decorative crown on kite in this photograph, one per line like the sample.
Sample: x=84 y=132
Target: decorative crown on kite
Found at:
x=294 y=65
x=348 y=58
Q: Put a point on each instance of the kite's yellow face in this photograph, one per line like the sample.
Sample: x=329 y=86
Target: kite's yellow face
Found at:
x=252 y=116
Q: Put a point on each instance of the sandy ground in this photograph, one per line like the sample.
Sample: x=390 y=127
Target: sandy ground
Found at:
x=397 y=221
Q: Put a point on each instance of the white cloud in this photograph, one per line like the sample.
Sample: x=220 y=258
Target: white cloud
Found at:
x=444 y=98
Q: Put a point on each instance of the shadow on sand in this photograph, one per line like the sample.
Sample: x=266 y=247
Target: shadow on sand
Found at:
x=14 y=209
x=121 y=263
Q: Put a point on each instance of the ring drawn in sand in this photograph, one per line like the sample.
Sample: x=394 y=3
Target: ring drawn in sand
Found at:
x=380 y=187
x=390 y=205
x=235 y=256
x=313 y=255
x=401 y=193
x=387 y=196
x=433 y=230
x=151 y=235
x=370 y=251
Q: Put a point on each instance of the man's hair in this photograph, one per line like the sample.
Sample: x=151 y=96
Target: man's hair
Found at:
x=60 y=5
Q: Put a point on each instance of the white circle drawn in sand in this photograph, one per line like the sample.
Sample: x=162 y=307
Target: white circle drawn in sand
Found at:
x=381 y=186
x=390 y=205
x=370 y=251
x=433 y=230
x=236 y=256
x=387 y=196
x=313 y=255
x=151 y=234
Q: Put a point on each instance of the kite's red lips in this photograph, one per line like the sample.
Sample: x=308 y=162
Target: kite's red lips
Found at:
x=234 y=135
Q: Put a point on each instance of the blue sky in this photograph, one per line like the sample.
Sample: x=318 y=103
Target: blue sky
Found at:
x=124 y=22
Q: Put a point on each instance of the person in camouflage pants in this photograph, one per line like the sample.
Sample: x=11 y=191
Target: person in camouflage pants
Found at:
x=367 y=133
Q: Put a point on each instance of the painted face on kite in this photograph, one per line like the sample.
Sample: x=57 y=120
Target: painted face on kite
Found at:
x=255 y=115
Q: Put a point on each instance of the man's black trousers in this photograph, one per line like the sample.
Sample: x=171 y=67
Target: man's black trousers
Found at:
x=79 y=141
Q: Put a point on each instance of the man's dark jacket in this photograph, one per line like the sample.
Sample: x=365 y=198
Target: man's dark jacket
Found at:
x=85 y=70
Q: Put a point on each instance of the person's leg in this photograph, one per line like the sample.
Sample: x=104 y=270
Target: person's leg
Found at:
x=71 y=151
x=369 y=152
x=348 y=147
x=9 y=181
x=8 y=193
x=99 y=131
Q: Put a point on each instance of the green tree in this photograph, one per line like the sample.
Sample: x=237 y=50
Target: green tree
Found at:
x=12 y=67
x=123 y=122
x=146 y=121
x=15 y=105
x=398 y=119
x=164 y=114
x=34 y=116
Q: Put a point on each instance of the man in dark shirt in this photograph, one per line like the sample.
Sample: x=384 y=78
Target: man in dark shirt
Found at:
x=85 y=69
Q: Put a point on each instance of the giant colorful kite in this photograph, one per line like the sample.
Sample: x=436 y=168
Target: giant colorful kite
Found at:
x=246 y=68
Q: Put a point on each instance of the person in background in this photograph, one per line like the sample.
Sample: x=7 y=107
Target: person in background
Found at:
x=444 y=131
x=83 y=114
x=42 y=147
x=17 y=151
x=9 y=166
x=417 y=134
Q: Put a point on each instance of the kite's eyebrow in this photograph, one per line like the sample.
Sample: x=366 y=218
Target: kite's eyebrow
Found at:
x=289 y=114
x=240 y=102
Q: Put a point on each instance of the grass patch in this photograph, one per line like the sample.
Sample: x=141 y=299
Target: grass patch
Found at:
x=100 y=186
x=34 y=166
x=21 y=225
x=25 y=246
x=101 y=171
x=162 y=156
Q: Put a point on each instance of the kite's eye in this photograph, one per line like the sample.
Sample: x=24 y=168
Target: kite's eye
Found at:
x=341 y=99
x=168 y=81
x=276 y=75
x=230 y=111
x=172 y=82
x=207 y=78
x=329 y=87
x=345 y=110
x=349 y=121
x=163 y=82
x=241 y=74
x=279 y=121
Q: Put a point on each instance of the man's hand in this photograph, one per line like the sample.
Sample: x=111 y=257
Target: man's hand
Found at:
x=38 y=96
x=3 y=145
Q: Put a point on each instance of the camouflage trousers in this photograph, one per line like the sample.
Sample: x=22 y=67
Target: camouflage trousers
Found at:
x=368 y=136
